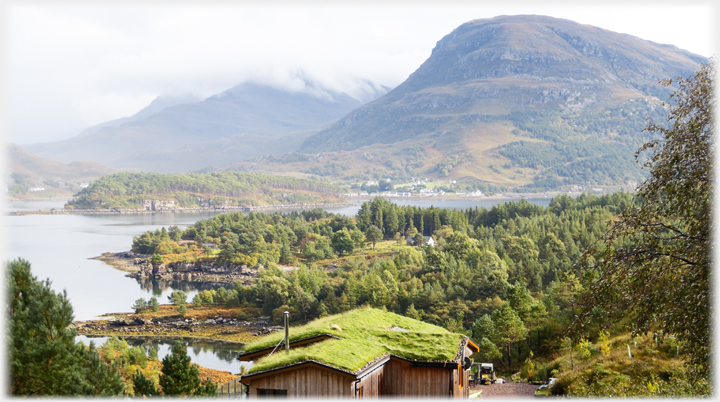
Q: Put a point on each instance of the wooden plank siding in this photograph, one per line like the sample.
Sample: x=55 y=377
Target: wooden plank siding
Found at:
x=400 y=379
x=372 y=382
x=396 y=377
x=306 y=382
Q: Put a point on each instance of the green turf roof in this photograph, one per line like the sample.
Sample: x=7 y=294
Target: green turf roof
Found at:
x=365 y=335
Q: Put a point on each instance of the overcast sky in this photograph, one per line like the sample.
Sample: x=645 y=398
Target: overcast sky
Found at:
x=70 y=65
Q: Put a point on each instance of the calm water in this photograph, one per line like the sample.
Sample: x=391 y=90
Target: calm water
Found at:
x=217 y=356
x=59 y=247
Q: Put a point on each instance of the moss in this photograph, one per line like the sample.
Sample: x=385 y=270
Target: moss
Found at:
x=365 y=335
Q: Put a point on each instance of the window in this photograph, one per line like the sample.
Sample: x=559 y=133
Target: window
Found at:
x=272 y=393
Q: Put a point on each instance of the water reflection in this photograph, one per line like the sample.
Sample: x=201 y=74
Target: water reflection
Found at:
x=159 y=286
x=209 y=354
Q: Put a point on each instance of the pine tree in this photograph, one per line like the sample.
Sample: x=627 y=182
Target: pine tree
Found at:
x=101 y=379
x=44 y=358
x=143 y=386
x=207 y=388
x=154 y=304
x=178 y=376
x=411 y=312
x=139 y=305
x=373 y=234
x=286 y=256
x=509 y=327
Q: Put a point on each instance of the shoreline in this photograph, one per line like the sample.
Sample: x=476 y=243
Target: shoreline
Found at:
x=120 y=211
x=38 y=199
x=214 y=325
x=120 y=261
x=137 y=267
x=354 y=200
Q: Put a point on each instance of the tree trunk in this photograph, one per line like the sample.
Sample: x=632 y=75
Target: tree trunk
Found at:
x=509 y=361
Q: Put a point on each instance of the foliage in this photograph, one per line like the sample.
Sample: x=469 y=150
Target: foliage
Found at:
x=44 y=358
x=129 y=190
x=342 y=242
x=177 y=298
x=142 y=386
x=508 y=328
x=479 y=253
x=373 y=235
x=179 y=377
x=656 y=257
x=586 y=348
x=154 y=305
x=604 y=343
x=140 y=305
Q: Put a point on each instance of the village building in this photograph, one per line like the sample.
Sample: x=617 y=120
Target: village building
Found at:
x=429 y=241
x=158 y=205
x=363 y=353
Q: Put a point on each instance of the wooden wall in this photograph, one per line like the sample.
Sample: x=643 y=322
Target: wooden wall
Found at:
x=394 y=378
x=306 y=382
x=371 y=384
x=399 y=379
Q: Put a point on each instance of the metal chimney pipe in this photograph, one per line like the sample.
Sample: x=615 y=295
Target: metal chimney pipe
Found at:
x=287 y=339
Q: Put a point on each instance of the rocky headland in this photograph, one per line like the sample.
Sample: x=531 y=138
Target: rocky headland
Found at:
x=139 y=266
x=217 y=328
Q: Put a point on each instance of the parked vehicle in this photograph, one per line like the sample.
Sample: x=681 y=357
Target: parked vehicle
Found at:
x=487 y=373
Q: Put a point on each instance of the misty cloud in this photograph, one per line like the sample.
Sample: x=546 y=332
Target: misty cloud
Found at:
x=72 y=66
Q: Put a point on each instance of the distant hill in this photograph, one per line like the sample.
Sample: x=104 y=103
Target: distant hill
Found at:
x=517 y=101
x=28 y=171
x=129 y=190
x=157 y=105
x=244 y=121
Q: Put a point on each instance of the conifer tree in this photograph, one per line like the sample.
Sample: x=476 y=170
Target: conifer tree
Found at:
x=44 y=358
x=411 y=312
x=509 y=327
x=373 y=235
x=154 y=304
x=143 y=386
x=179 y=377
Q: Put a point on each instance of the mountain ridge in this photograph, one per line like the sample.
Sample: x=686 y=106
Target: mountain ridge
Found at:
x=518 y=61
x=248 y=119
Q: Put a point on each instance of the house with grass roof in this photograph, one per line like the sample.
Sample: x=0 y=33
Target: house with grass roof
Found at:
x=362 y=353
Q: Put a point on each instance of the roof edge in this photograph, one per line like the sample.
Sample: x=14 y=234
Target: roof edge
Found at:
x=295 y=366
x=254 y=355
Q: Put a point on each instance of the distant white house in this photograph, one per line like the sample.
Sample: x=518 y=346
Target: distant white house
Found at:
x=428 y=241
x=84 y=185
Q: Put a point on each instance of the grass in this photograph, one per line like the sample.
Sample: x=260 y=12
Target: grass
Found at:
x=365 y=334
x=619 y=375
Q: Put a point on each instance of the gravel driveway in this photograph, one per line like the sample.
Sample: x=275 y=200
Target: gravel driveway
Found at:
x=506 y=390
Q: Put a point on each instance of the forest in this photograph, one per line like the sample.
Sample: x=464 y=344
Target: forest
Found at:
x=508 y=276
x=128 y=190
x=587 y=147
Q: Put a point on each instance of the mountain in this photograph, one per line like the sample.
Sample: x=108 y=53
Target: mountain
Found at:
x=29 y=171
x=158 y=104
x=522 y=100
x=247 y=120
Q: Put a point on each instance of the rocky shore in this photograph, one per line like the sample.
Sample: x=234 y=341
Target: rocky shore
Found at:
x=139 y=267
x=218 y=328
